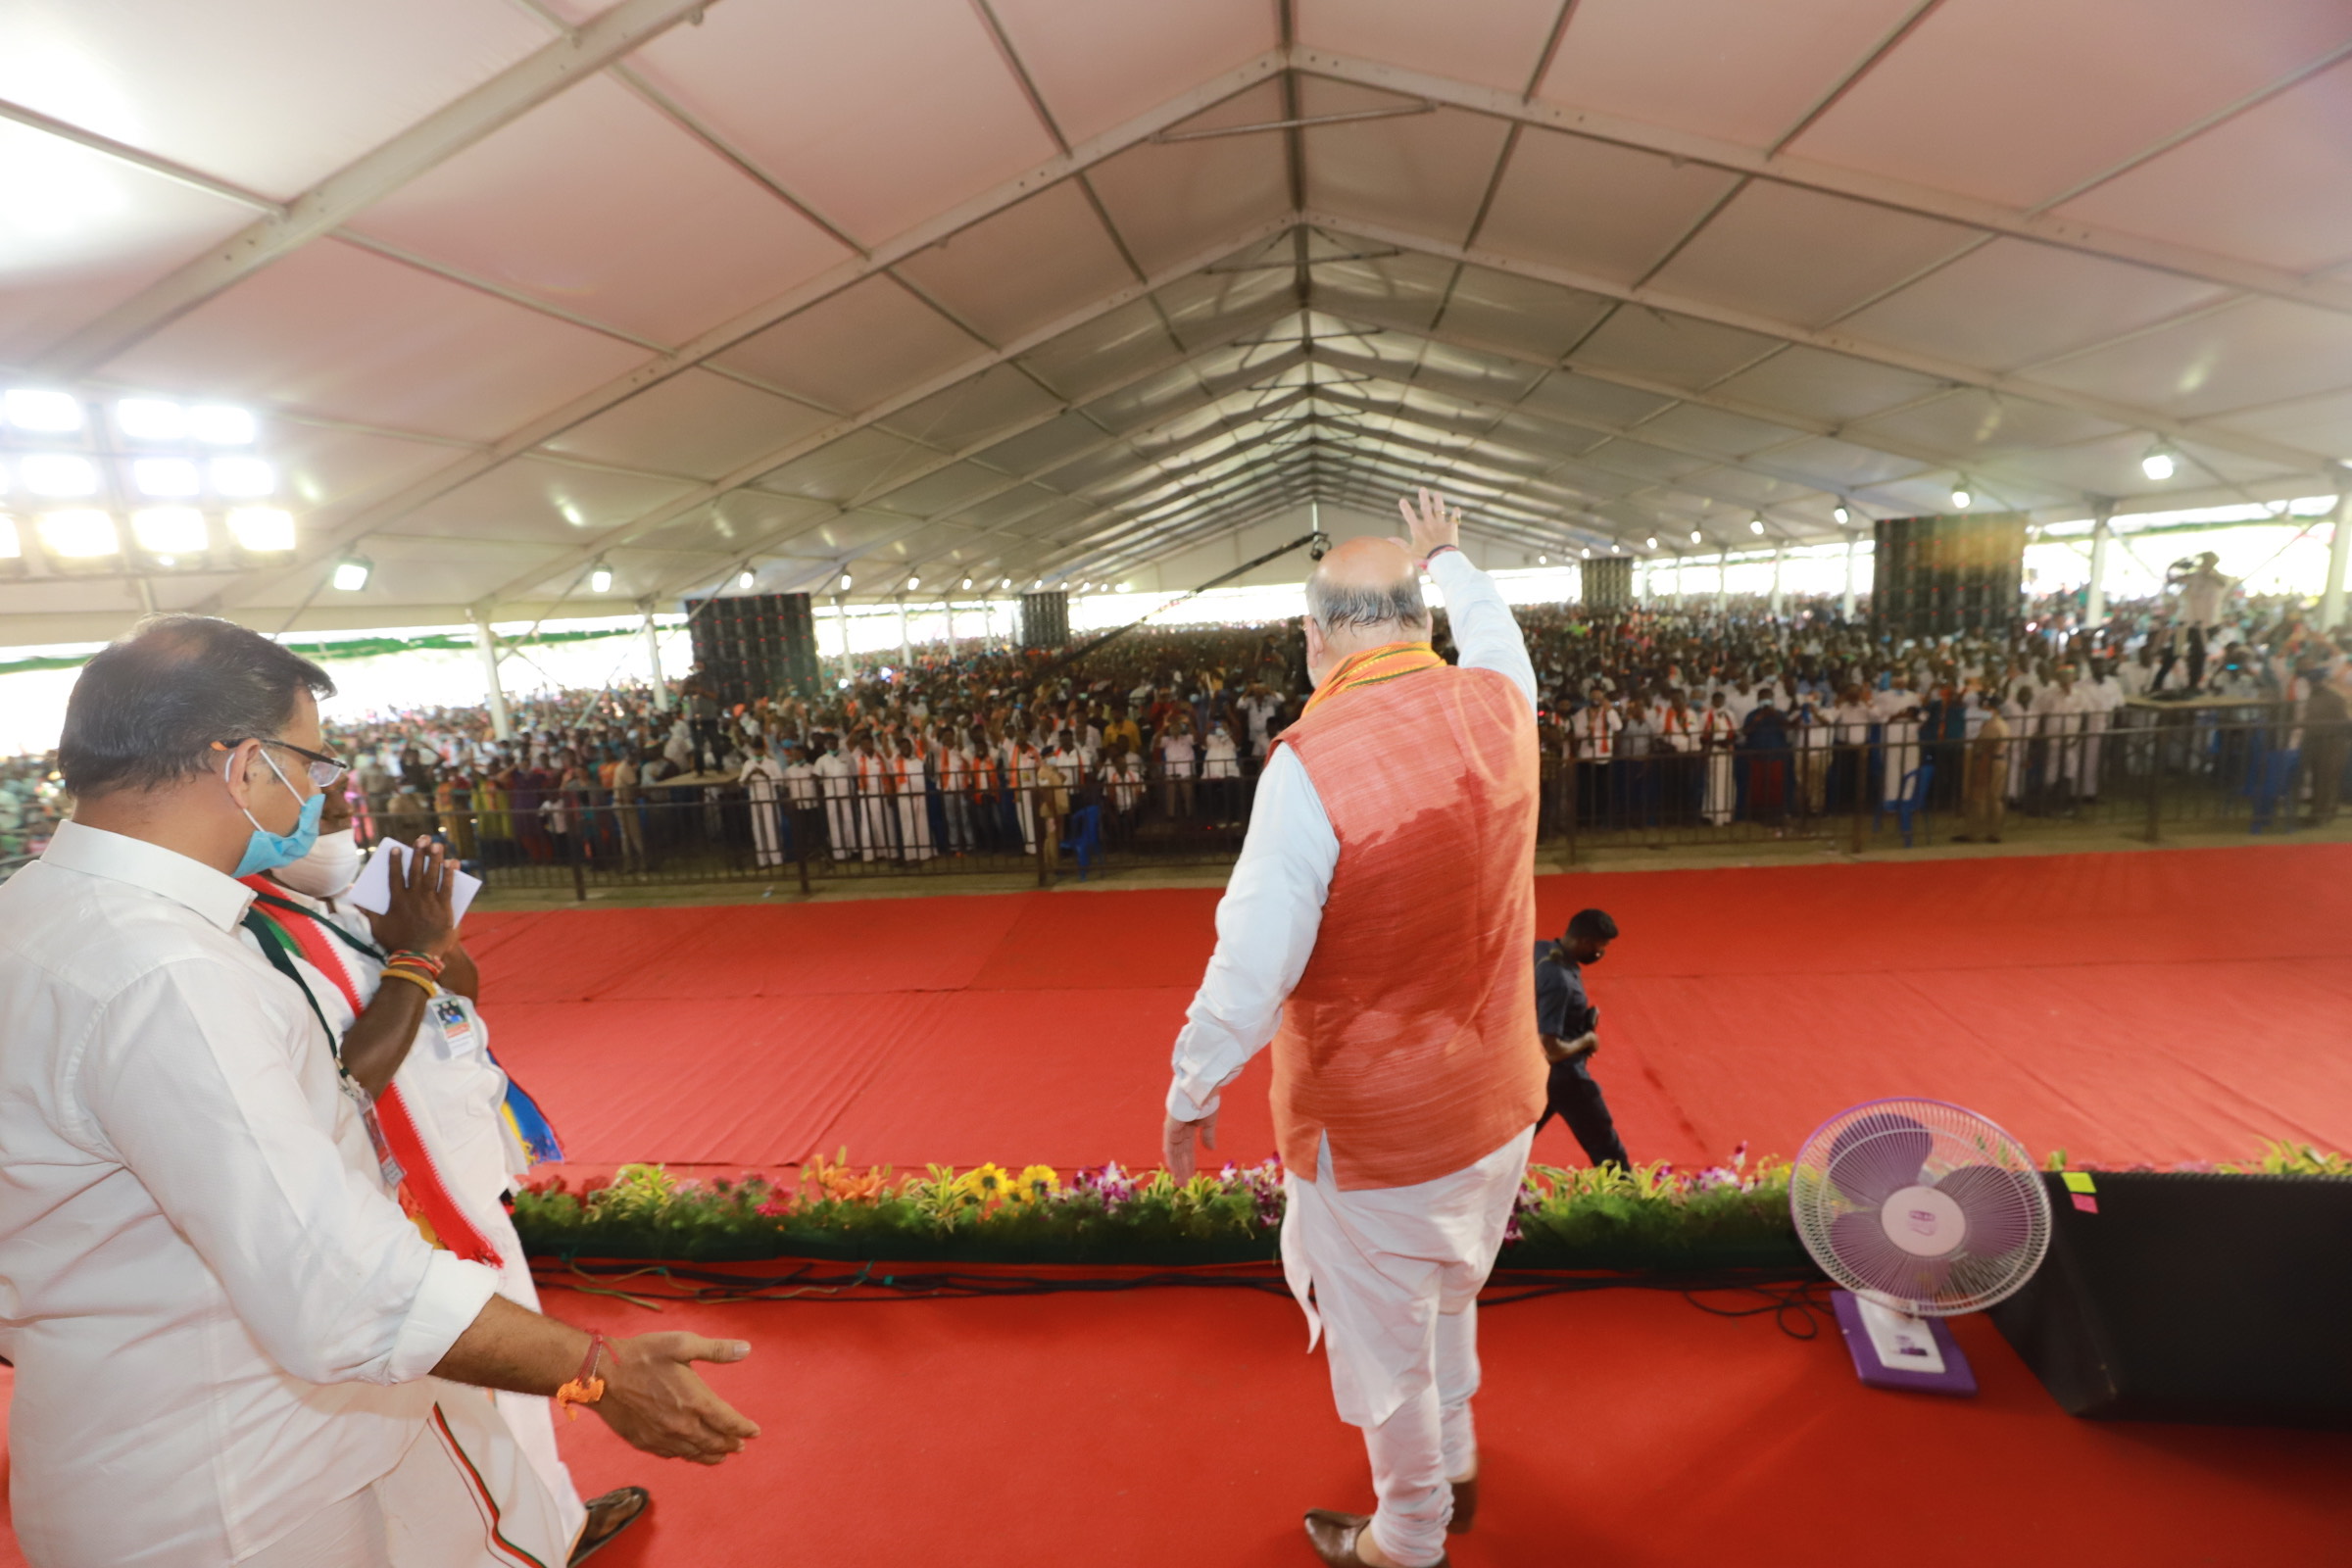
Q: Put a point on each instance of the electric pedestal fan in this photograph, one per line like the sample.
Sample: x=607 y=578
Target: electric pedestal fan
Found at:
x=1921 y=1211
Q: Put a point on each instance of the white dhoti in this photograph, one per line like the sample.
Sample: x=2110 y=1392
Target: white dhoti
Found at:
x=766 y=839
x=1722 y=791
x=465 y=1496
x=1388 y=1278
x=914 y=821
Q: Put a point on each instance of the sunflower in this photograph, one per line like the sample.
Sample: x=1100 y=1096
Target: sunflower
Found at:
x=988 y=1182
x=1035 y=1185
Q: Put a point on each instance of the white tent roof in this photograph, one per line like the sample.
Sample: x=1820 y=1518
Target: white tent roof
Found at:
x=1061 y=288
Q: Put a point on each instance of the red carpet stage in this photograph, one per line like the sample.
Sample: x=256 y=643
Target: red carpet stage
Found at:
x=2163 y=1006
x=2160 y=1006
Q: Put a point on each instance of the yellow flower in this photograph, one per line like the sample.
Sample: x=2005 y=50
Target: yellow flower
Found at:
x=1035 y=1185
x=985 y=1183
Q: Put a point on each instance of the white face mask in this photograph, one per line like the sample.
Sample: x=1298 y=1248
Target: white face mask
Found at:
x=332 y=866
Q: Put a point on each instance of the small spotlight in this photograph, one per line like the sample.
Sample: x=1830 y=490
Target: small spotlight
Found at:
x=600 y=579
x=1960 y=496
x=1587 y=552
x=845 y=582
x=1654 y=541
x=170 y=530
x=352 y=574
x=1007 y=583
x=745 y=578
x=1694 y=538
x=1126 y=587
x=81 y=534
x=1755 y=526
x=2158 y=464
x=45 y=413
x=261 y=530
x=1839 y=515
x=967 y=582
x=1543 y=560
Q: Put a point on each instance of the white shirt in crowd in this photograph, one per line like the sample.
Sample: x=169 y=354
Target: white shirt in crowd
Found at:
x=216 y=1310
x=1273 y=903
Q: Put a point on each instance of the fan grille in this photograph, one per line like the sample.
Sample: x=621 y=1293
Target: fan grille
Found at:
x=1921 y=1205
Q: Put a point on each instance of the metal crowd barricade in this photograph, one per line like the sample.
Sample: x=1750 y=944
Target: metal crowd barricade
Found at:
x=2209 y=766
x=2219 y=764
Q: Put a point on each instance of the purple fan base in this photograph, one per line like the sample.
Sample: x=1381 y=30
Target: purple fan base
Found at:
x=1956 y=1378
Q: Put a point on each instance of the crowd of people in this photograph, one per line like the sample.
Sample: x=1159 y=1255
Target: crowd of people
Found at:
x=1651 y=719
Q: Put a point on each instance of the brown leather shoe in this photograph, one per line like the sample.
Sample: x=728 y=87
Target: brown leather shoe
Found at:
x=1333 y=1536
x=1465 y=1508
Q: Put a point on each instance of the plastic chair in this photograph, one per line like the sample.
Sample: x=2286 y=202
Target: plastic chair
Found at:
x=1087 y=845
x=1911 y=803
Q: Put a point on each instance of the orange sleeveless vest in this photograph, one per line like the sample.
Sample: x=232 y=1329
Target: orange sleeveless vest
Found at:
x=1412 y=1036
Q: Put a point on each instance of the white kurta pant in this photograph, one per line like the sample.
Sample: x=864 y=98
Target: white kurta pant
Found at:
x=915 y=813
x=1390 y=1278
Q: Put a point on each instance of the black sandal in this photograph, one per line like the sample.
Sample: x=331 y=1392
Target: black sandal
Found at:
x=623 y=1507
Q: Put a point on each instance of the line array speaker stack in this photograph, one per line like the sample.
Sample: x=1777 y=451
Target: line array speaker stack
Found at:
x=756 y=644
x=1608 y=583
x=1933 y=575
x=1045 y=618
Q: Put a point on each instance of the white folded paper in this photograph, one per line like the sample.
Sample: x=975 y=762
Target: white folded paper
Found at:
x=372 y=892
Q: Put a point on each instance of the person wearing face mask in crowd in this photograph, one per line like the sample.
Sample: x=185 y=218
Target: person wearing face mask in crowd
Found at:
x=222 y=1320
x=1569 y=1026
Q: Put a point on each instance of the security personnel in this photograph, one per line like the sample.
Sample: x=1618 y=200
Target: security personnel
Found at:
x=1569 y=1023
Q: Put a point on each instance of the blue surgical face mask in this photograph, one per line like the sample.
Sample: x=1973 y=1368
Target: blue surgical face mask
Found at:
x=266 y=851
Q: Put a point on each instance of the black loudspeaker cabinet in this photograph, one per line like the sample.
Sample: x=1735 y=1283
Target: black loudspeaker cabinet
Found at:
x=1045 y=618
x=1607 y=583
x=756 y=644
x=2194 y=1298
x=1934 y=575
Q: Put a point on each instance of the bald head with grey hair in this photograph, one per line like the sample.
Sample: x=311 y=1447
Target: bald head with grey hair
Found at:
x=1366 y=592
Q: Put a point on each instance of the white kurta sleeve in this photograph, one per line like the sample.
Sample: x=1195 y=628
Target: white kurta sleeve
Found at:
x=325 y=1271
x=1485 y=631
x=1266 y=926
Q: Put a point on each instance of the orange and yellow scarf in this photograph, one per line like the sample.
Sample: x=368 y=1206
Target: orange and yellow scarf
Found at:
x=1373 y=667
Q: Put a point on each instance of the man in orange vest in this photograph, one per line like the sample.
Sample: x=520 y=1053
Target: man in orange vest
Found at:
x=1374 y=932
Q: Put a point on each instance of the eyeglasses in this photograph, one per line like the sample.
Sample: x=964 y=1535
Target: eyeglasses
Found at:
x=326 y=771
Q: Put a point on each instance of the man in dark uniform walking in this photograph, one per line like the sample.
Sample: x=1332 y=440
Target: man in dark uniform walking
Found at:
x=1569 y=1024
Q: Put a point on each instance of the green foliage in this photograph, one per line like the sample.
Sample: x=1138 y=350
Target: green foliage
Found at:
x=1649 y=1218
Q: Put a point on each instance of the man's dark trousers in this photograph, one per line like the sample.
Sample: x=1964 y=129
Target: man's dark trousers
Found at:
x=1576 y=1100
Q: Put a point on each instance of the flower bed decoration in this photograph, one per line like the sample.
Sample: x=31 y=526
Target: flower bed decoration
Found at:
x=1653 y=1219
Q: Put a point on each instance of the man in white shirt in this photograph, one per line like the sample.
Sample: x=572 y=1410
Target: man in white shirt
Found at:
x=220 y=1319
x=1385 y=1068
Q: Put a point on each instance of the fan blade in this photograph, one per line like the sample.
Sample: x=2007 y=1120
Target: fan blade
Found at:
x=1860 y=1243
x=1877 y=1155
x=1996 y=1205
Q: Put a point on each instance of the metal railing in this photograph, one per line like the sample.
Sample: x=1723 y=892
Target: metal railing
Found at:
x=2144 y=773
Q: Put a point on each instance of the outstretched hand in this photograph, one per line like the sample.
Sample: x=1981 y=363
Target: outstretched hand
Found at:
x=1432 y=523
x=1176 y=1144
x=656 y=1400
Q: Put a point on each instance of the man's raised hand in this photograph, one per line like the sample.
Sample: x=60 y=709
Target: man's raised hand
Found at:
x=1432 y=523
x=1176 y=1144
